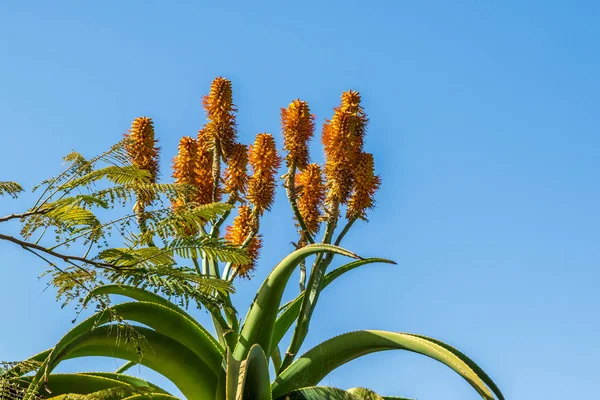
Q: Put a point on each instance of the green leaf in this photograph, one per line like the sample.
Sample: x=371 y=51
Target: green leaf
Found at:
x=364 y=394
x=120 y=175
x=291 y=312
x=481 y=373
x=318 y=362
x=317 y=393
x=259 y=322
x=131 y=380
x=58 y=384
x=152 y=396
x=154 y=350
x=158 y=317
x=254 y=382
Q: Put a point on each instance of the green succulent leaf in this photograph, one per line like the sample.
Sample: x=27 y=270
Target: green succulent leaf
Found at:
x=364 y=394
x=169 y=357
x=260 y=320
x=292 y=310
x=318 y=362
x=254 y=382
x=318 y=393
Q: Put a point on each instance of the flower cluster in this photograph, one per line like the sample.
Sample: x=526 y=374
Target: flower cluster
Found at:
x=365 y=185
x=245 y=225
x=204 y=167
x=342 y=141
x=141 y=149
x=264 y=162
x=220 y=110
x=185 y=164
x=311 y=189
x=297 y=127
x=236 y=176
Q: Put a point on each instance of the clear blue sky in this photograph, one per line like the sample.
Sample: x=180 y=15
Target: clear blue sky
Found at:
x=484 y=124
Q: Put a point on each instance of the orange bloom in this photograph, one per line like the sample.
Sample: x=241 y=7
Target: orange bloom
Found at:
x=204 y=176
x=311 y=196
x=298 y=127
x=243 y=224
x=185 y=163
x=343 y=140
x=366 y=184
x=236 y=177
x=220 y=110
x=265 y=162
x=142 y=151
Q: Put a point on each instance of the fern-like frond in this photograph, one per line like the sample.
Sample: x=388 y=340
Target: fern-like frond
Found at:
x=142 y=257
x=10 y=188
x=215 y=249
x=180 y=284
x=190 y=218
x=120 y=175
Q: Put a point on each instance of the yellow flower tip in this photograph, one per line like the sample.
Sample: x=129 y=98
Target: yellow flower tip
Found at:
x=311 y=196
x=236 y=176
x=220 y=110
x=236 y=234
x=298 y=127
x=366 y=183
x=265 y=162
x=141 y=149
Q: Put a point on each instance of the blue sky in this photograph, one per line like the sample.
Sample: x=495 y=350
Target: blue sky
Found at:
x=484 y=125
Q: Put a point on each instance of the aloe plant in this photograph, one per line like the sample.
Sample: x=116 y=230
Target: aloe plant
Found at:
x=242 y=360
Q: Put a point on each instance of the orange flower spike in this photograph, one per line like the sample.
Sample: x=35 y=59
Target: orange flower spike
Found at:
x=298 y=128
x=311 y=196
x=204 y=178
x=236 y=176
x=142 y=151
x=243 y=224
x=366 y=184
x=220 y=111
x=343 y=140
x=265 y=162
x=185 y=162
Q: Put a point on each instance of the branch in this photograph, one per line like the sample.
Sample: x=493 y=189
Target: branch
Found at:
x=345 y=230
x=64 y=257
x=23 y=215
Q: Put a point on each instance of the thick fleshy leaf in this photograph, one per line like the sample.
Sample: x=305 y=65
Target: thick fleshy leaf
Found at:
x=364 y=394
x=63 y=384
x=481 y=373
x=152 y=396
x=254 y=382
x=318 y=362
x=259 y=322
x=291 y=312
x=317 y=393
x=176 y=362
x=162 y=319
x=131 y=380
x=147 y=296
